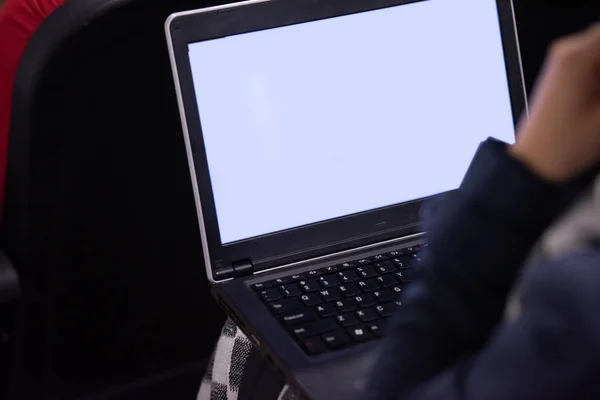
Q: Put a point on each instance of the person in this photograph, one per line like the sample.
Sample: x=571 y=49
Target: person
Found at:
x=451 y=339
x=19 y=19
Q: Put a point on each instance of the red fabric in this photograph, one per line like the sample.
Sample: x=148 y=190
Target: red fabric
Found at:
x=19 y=19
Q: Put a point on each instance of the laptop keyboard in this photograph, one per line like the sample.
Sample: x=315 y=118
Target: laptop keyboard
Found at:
x=343 y=305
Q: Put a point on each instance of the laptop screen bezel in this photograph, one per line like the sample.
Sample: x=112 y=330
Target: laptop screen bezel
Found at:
x=321 y=238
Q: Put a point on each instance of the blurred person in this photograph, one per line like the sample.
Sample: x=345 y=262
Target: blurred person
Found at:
x=451 y=340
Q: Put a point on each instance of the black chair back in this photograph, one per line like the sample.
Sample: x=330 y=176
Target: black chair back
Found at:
x=99 y=215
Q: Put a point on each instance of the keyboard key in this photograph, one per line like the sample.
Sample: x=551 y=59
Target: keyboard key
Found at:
x=313 y=274
x=331 y=294
x=378 y=257
x=367 y=315
x=298 y=277
x=364 y=301
x=377 y=328
x=350 y=290
x=261 y=286
x=324 y=325
x=347 y=265
x=362 y=261
x=359 y=333
x=326 y=310
x=280 y=281
x=347 y=320
x=328 y=281
x=303 y=332
x=298 y=317
x=284 y=306
x=387 y=281
x=345 y=305
x=366 y=272
x=291 y=290
x=347 y=276
x=310 y=299
x=314 y=328
x=368 y=285
x=385 y=267
x=384 y=296
x=386 y=310
x=397 y=290
x=404 y=276
x=310 y=285
x=329 y=270
x=394 y=254
x=272 y=294
x=416 y=257
x=277 y=282
x=336 y=339
x=403 y=262
x=314 y=345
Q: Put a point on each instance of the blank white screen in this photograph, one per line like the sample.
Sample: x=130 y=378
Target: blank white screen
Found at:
x=320 y=120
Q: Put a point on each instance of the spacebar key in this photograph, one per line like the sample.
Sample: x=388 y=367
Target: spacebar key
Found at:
x=314 y=328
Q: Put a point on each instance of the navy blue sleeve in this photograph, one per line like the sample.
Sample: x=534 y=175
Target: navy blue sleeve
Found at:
x=551 y=350
x=476 y=249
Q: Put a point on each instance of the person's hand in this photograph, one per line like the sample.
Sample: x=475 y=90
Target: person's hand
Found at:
x=561 y=139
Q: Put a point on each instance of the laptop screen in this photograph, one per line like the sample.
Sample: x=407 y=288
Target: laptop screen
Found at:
x=325 y=119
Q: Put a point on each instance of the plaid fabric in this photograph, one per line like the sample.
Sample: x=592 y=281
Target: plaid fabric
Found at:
x=226 y=369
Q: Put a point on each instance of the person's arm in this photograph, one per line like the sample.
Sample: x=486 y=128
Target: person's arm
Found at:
x=551 y=350
x=480 y=242
x=476 y=248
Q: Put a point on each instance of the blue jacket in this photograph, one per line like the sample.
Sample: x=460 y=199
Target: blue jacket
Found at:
x=451 y=341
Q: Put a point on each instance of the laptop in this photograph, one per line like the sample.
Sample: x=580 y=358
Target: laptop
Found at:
x=315 y=130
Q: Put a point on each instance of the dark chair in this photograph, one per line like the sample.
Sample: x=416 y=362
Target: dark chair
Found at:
x=99 y=218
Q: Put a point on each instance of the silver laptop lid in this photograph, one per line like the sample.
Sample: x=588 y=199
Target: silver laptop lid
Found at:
x=316 y=126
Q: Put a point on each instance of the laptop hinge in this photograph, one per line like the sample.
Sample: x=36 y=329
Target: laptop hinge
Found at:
x=243 y=268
